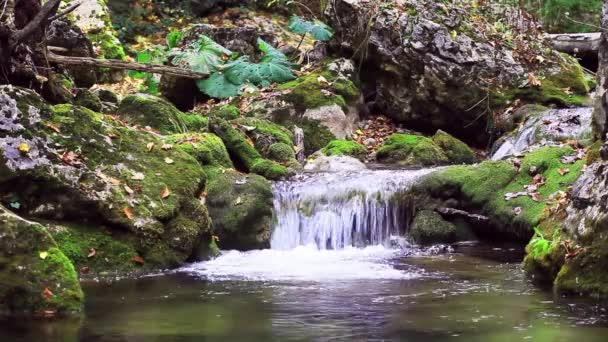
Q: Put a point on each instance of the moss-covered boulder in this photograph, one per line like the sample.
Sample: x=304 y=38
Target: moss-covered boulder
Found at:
x=36 y=278
x=71 y=164
x=281 y=152
x=86 y=98
x=240 y=206
x=456 y=151
x=226 y=112
x=244 y=152
x=515 y=198
x=207 y=148
x=429 y=227
x=150 y=111
x=410 y=149
x=345 y=148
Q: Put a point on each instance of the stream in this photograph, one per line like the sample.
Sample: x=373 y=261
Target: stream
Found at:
x=338 y=269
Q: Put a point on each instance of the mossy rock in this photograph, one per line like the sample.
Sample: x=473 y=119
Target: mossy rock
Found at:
x=244 y=154
x=311 y=92
x=281 y=152
x=35 y=276
x=345 y=148
x=264 y=133
x=568 y=87
x=151 y=111
x=485 y=185
x=457 y=151
x=410 y=149
x=207 y=148
x=240 y=207
x=226 y=112
x=429 y=228
x=87 y=99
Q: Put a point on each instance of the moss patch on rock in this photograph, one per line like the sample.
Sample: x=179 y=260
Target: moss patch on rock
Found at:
x=281 y=152
x=457 y=151
x=207 y=148
x=429 y=227
x=147 y=110
x=345 y=148
x=409 y=149
x=35 y=276
x=226 y=112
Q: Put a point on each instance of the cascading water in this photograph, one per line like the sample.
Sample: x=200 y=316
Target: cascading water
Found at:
x=329 y=226
x=344 y=209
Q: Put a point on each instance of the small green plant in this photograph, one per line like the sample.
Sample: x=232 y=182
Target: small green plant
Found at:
x=540 y=245
x=317 y=29
x=204 y=56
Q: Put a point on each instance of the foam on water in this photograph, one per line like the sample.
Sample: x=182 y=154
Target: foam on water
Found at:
x=304 y=263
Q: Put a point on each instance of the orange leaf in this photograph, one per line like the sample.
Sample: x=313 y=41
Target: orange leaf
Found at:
x=54 y=128
x=92 y=253
x=166 y=193
x=139 y=260
x=47 y=294
x=128 y=213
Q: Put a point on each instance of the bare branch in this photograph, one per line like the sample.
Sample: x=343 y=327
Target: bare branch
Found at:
x=48 y=9
x=117 y=64
x=65 y=12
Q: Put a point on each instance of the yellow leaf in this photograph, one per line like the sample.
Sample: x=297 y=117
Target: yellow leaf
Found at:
x=43 y=255
x=150 y=146
x=169 y=161
x=166 y=193
x=24 y=148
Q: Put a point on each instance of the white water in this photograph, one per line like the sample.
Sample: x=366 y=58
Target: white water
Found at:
x=330 y=226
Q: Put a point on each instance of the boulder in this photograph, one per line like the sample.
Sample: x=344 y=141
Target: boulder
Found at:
x=147 y=110
x=322 y=163
x=86 y=98
x=345 y=148
x=427 y=64
x=430 y=228
x=409 y=149
x=36 y=278
x=70 y=164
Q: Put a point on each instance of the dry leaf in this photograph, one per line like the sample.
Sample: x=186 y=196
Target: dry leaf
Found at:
x=563 y=171
x=53 y=127
x=92 y=253
x=24 y=148
x=533 y=80
x=47 y=294
x=43 y=255
x=517 y=210
x=128 y=190
x=169 y=160
x=165 y=193
x=139 y=260
x=167 y=147
x=128 y=213
x=138 y=176
x=238 y=201
x=150 y=146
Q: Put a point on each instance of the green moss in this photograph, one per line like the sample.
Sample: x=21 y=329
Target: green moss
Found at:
x=345 y=148
x=566 y=88
x=429 y=227
x=409 y=149
x=593 y=152
x=226 y=112
x=316 y=136
x=456 y=151
x=113 y=252
x=281 y=152
x=109 y=46
x=265 y=132
x=86 y=98
x=246 y=154
x=207 y=148
x=306 y=92
x=146 y=110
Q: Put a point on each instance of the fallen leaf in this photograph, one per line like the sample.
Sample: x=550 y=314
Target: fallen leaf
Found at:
x=24 y=148
x=169 y=160
x=533 y=80
x=84 y=270
x=47 y=294
x=43 y=255
x=128 y=213
x=150 y=146
x=250 y=142
x=323 y=80
x=238 y=201
x=165 y=193
x=517 y=210
x=92 y=253
x=139 y=260
x=128 y=190
x=167 y=147
x=54 y=128
x=563 y=171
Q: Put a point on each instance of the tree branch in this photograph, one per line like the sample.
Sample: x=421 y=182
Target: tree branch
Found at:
x=48 y=9
x=116 y=64
x=65 y=12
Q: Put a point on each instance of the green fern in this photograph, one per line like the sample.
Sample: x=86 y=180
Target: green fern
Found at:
x=317 y=29
x=540 y=245
x=204 y=56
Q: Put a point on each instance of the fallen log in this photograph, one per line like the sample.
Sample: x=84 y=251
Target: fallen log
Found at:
x=117 y=64
x=576 y=43
x=456 y=213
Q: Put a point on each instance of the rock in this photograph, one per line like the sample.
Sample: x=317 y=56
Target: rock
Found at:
x=324 y=163
x=426 y=64
x=246 y=154
x=150 y=111
x=106 y=96
x=334 y=118
x=36 y=278
x=604 y=152
x=281 y=152
x=182 y=92
x=240 y=207
x=87 y=99
x=409 y=149
x=70 y=164
x=63 y=34
x=345 y=148
x=544 y=126
x=204 y=7
x=600 y=114
x=455 y=150
x=207 y=148
x=430 y=228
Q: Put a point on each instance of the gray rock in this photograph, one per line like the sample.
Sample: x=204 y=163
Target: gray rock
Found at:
x=338 y=122
x=324 y=163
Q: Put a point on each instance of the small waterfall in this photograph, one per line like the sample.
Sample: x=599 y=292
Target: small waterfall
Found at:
x=343 y=209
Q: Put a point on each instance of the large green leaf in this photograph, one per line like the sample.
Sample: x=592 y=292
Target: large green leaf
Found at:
x=274 y=67
x=173 y=39
x=318 y=30
x=153 y=55
x=218 y=86
x=204 y=56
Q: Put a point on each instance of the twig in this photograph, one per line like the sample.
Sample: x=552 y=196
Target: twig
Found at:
x=65 y=12
x=3 y=9
x=47 y=10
